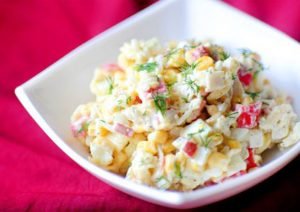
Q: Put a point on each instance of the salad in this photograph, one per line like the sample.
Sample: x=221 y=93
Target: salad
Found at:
x=183 y=116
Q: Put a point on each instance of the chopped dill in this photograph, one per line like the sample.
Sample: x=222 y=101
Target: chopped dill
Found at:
x=223 y=55
x=110 y=83
x=84 y=127
x=185 y=99
x=233 y=76
x=253 y=95
x=188 y=69
x=232 y=114
x=171 y=53
x=191 y=135
x=160 y=103
x=192 y=85
x=147 y=67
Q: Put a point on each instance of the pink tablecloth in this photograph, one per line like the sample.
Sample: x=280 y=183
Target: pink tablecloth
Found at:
x=34 y=173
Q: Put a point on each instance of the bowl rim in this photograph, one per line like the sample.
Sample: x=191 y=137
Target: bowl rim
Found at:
x=166 y=198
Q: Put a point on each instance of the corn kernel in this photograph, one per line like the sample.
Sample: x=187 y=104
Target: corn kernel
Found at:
x=102 y=131
x=170 y=76
x=168 y=148
x=176 y=59
x=218 y=160
x=233 y=144
x=150 y=147
x=158 y=137
x=204 y=63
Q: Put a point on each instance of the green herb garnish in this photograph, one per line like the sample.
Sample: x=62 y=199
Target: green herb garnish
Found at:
x=188 y=69
x=192 y=85
x=160 y=103
x=185 y=99
x=110 y=83
x=190 y=135
x=232 y=114
x=178 y=170
x=207 y=141
x=253 y=95
x=147 y=67
x=233 y=76
x=171 y=53
x=223 y=55
x=84 y=127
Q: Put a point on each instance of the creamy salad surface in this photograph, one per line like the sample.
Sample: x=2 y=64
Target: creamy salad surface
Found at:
x=184 y=115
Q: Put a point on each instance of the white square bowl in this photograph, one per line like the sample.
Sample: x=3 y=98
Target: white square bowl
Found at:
x=51 y=96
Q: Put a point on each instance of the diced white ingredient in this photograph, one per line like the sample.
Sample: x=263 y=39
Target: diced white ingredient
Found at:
x=201 y=155
x=180 y=142
x=119 y=141
x=199 y=129
x=162 y=183
x=101 y=152
x=188 y=110
x=215 y=81
x=240 y=134
x=256 y=138
x=191 y=179
x=236 y=164
x=278 y=121
x=292 y=138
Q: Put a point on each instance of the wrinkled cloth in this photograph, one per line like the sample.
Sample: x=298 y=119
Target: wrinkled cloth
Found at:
x=34 y=173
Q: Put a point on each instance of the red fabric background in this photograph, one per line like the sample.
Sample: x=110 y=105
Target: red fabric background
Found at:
x=34 y=173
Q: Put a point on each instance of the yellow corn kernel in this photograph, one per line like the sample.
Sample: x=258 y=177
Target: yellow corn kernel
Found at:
x=247 y=100
x=168 y=148
x=234 y=144
x=138 y=137
x=158 y=137
x=119 y=159
x=218 y=160
x=176 y=59
x=102 y=131
x=169 y=162
x=212 y=109
x=170 y=76
x=150 y=147
x=204 y=63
